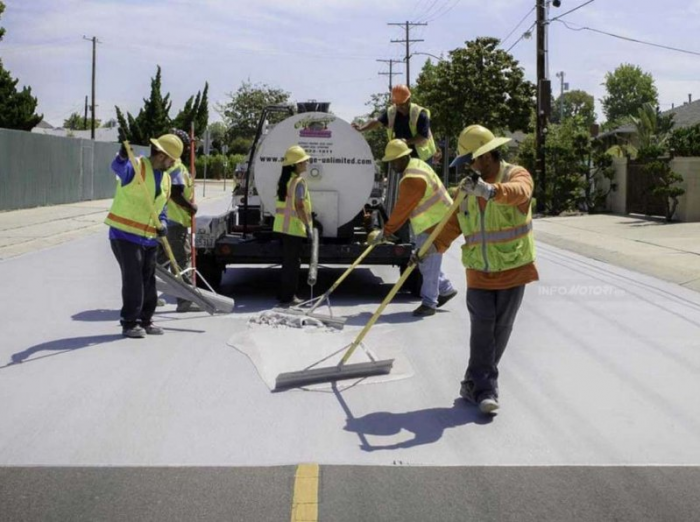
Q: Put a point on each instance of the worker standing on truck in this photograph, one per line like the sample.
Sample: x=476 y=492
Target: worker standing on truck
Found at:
x=181 y=211
x=407 y=121
x=424 y=200
x=133 y=233
x=499 y=255
x=293 y=220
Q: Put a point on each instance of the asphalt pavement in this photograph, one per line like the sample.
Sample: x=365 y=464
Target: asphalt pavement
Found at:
x=597 y=421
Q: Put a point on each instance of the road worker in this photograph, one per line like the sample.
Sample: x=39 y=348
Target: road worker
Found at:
x=424 y=200
x=495 y=219
x=181 y=211
x=133 y=232
x=293 y=220
x=407 y=121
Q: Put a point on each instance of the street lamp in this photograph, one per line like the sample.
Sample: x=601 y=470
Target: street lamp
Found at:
x=428 y=54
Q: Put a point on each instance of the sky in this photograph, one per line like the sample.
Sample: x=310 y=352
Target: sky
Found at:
x=325 y=50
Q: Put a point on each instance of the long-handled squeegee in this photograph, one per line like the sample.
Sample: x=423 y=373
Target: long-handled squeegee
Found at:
x=175 y=285
x=342 y=370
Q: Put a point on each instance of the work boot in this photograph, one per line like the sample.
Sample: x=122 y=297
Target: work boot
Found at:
x=187 y=306
x=160 y=302
x=467 y=392
x=152 y=329
x=488 y=404
x=442 y=299
x=134 y=332
x=423 y=311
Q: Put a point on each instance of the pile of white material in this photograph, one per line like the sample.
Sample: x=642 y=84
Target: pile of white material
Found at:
x=282 y=320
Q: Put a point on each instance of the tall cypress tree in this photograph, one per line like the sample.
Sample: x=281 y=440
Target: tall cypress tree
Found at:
x=17 y=108
x=152 y=120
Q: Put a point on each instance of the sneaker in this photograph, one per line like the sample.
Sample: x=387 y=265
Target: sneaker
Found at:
x=152 y=329
x=160 y=302
x=134 y=332
x=489 y=405
x=423 y=311
x=187 y=306
x=442 y=299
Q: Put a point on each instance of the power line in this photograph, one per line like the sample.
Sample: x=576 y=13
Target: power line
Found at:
x=526 y=34
x=425 y=13
x=444 y=11
x=571 y=11
x=518 y=25
x=686 y=51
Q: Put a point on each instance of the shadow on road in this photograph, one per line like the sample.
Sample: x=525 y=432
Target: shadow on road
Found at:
x=97 y=315
x=60 y=346
x=426 y=425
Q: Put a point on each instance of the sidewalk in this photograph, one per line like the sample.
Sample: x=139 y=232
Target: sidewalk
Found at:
x=668 y=251
x=30 y=230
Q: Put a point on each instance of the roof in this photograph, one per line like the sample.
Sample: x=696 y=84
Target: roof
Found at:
x=685 y=115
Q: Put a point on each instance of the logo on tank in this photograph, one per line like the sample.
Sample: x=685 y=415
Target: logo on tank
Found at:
x=314 y=127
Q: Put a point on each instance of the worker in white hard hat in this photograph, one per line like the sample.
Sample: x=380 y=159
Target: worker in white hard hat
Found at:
x=133 y=233
x=495 y=219
x=407 y=121
x=424 y=201
x=293 y=220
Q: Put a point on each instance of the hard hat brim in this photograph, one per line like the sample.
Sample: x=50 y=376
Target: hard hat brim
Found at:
x=303 y=158
x=392 y=158
x=158 y=146
x=461 y=160
x=491 y=145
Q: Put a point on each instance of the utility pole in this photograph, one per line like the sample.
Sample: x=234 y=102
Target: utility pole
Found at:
x=85 y=116
x=543 y=101
x=391 y=72
x=408 y=43
x=94 y=63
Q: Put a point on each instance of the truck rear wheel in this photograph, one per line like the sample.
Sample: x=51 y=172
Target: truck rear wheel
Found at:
x=210 y=269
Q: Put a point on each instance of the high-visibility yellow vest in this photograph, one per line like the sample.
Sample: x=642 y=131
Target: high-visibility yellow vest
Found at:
x=425 y=152
x=499 y=237
x=176 y=212
x=131 y=211
x=286 y=219
x=434 y=203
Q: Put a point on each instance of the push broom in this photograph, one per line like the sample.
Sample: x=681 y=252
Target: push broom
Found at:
x=343 y=370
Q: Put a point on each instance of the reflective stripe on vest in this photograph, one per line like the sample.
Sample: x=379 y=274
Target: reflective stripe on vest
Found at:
x=425 y=152
x=130 y=210
x=435 y=202
x=499 y=237
x=287 y=220
x=176 y=212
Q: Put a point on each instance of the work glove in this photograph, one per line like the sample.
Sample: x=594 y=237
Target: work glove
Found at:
x=375 y=237
x=163 y=230
x=475 y=186
x=416 y=259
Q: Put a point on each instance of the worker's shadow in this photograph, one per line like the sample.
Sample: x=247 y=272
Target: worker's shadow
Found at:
x=426 y=425
x=97 y=315
x=60 y=346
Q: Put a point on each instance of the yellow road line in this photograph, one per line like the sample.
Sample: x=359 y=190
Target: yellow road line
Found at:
x=305 y=500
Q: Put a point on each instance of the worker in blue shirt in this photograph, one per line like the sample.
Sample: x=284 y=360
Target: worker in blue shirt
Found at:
x=133 y=233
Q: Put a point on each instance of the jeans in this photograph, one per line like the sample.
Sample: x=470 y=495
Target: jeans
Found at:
x=492 y=314
x=434 y=281
x=138 y=268
x=291 y=264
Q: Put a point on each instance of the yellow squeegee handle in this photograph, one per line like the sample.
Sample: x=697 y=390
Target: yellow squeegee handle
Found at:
x=342 y=278
x=411 y=266
x=154 y=214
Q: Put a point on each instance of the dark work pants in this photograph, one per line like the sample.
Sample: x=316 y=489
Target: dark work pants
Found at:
x=492 y=314
x=291 y=263
x=138 y=267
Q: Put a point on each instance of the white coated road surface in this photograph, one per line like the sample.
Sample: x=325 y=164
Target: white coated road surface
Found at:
x=602 y=369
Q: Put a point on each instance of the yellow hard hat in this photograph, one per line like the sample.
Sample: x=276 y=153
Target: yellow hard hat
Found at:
x=170 y=145
x=294 y=154
x=396 y=149
x=474 y=141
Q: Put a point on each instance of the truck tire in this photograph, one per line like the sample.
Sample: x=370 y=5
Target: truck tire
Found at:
x=210 y=269
x=413 y=283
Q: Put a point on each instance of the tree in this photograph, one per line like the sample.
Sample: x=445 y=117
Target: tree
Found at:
x=77 y=122
x=196 y=110
x=17 y=108
x=653 y=129
x=242 y=112
x=377 y=138
x=152 y=120
x=217 y=131
x=628 y=88
x=479 y=83
x=574 y=103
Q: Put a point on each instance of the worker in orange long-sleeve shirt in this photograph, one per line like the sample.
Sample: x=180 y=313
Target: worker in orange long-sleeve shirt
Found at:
x=499 y=254
x=424 y=200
